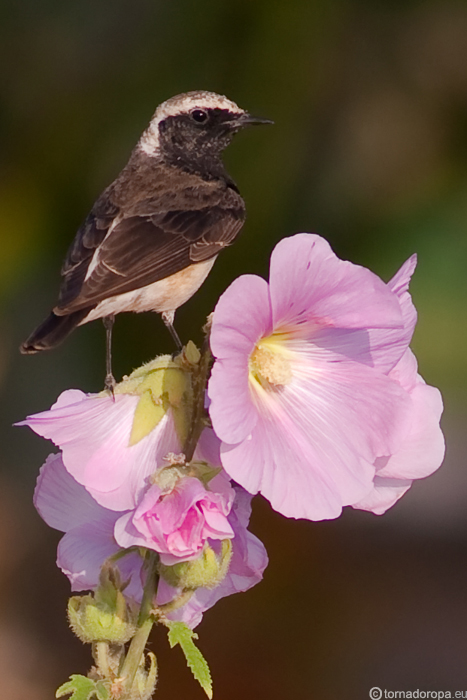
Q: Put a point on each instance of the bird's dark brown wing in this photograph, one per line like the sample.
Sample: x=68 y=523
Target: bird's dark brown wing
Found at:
x=140 y=250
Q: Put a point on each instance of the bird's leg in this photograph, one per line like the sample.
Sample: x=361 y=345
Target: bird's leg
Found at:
x=110 y=382
x=168 y=318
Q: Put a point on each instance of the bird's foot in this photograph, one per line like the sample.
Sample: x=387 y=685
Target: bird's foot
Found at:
x=110 y=384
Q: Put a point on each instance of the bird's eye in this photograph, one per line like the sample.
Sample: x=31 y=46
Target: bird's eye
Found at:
x=199 y=115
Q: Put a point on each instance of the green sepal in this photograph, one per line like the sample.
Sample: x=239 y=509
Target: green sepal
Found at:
x=203 y=471
x=207 y=571
x=83 y=688
x=148 y=413
x=145 y=679
x=180 y=633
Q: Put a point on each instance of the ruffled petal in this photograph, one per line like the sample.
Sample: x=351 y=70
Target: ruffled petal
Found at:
x=249 y=559
x=422 y=451
x=385 y=493
x=388 y=346
x=309 y=284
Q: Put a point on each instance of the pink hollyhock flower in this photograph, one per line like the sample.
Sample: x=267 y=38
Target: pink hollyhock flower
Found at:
x=93 y=431
x=305 y=392
x=178 y=523
x=89 y=540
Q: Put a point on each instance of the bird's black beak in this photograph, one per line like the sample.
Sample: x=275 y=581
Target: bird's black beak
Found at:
x=247 y=120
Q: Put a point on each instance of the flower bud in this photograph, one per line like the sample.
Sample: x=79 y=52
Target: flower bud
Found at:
x=207 y=571
x=104 y=616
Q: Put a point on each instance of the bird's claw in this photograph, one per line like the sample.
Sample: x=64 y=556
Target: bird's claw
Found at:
x=110 y=385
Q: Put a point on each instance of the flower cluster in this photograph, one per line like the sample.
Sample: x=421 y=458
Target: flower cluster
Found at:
x=120 y=483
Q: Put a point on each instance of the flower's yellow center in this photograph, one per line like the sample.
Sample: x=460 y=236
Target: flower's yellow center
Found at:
x=269 y=364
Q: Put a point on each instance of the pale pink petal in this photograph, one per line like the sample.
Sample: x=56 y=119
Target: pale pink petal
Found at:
x=312 y=449
x=242 y=315
x=423 y=450
x=308 y=282
x=388 y=346
x=231 y=409
x=384 y=495
x=399 y=284
x=94 y=434
x=405 y=372
x=126 y=534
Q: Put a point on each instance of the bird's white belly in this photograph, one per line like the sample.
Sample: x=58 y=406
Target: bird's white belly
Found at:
x=165 y=295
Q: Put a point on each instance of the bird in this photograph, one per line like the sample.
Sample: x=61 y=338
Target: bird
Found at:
x=153 y=235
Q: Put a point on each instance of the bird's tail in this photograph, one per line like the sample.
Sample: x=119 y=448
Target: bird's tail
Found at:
x=52 y=331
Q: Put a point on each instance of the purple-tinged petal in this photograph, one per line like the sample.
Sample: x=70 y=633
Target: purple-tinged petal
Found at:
x=60 y=500
x=310 y=285
x=66 y=505
x=208 y=448
x=83 y=550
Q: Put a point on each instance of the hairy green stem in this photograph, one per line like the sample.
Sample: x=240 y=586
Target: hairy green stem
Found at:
x=144 y=626
x=101 y=657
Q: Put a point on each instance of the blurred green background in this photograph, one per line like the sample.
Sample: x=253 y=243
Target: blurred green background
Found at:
x=369 y=149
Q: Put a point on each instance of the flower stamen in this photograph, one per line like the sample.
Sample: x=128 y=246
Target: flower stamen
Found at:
x=269 y=366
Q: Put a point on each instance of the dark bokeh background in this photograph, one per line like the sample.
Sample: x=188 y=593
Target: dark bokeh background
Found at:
x=369 y=149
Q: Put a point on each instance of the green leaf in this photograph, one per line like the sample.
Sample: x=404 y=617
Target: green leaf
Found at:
x=179 y=633
x=82 y=688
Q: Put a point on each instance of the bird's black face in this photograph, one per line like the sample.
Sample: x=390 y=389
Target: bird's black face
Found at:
x=195 y=139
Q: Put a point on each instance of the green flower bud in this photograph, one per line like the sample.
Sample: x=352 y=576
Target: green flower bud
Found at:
x=104 y=616
x=207 y=571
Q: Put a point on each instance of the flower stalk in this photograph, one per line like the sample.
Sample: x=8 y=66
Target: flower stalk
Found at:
x=145 y=623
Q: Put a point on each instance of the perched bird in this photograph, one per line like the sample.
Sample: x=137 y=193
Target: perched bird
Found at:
x=153 y=235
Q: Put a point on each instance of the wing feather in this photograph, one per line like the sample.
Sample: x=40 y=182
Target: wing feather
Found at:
x=130 y=253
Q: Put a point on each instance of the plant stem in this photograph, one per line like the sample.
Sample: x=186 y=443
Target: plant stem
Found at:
x=145 y=623
x=200 y=377
x=100 y=653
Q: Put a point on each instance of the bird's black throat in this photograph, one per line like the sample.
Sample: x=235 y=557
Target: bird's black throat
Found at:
x=197 y=150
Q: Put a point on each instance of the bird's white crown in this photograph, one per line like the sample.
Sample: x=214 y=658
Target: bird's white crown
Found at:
x=181 y=104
